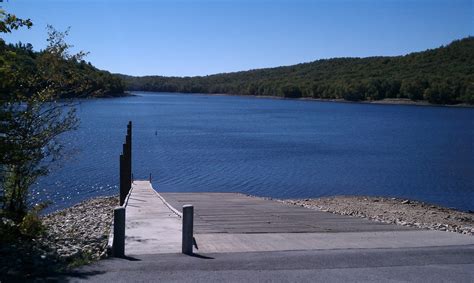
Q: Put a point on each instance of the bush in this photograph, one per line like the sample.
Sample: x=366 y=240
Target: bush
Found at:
x=31 y=226
x=8 y=230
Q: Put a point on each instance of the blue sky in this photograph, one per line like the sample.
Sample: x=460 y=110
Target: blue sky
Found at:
x=186 y=38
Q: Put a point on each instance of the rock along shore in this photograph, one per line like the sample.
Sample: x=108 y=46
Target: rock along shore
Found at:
x=396 y=211
x=81 y=230
x=74 y=236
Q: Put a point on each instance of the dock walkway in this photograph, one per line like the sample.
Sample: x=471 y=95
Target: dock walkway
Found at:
x=151 y=227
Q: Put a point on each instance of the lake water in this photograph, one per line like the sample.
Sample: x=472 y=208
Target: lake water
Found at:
x=269 y=147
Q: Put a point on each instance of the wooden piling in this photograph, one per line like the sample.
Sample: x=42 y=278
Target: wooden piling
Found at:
x=122 y=182
x=126 y=165
x=128 y=142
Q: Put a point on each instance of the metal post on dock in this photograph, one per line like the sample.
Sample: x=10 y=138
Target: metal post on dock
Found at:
x=118 y=245
x=150 y=178
x=187 y=240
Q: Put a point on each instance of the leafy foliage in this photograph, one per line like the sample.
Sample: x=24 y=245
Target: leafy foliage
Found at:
x=29 y=71
x=34 y=113
x=31 y=225
x=444 y=75
x=9 y=22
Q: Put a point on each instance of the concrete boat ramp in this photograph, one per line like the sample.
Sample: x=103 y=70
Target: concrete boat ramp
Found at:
x=248 y=239
x=232 y=222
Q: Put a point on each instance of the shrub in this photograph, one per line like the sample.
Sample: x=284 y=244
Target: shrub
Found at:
x=31 y=226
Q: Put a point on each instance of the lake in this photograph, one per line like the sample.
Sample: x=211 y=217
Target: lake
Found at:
x=269 y=147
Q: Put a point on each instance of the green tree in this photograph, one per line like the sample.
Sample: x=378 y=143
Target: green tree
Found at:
x=32 y=116
x=291 y=91
x=406 y=76
x=9 y=22
x=354 y=92
x=468 y=93
x=440 y=93
x=412 y=89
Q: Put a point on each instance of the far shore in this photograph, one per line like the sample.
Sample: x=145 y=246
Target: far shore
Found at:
x=385 y=101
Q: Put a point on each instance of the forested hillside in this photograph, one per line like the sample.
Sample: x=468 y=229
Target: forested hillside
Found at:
x=443 y=75
x=22 y=70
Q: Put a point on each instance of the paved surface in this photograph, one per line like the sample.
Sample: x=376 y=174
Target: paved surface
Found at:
x=223 y=243
x=248 y=239
x=237 y=213
x=436 y=264
x=229 y=222
x=151 y=227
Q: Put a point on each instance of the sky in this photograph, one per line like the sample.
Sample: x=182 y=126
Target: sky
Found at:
x=191 y=37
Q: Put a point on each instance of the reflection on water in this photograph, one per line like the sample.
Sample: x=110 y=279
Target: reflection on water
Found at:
x=269 y=147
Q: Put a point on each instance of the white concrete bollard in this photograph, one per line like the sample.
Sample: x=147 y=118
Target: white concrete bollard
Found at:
x=188 y=218
x=118 y=245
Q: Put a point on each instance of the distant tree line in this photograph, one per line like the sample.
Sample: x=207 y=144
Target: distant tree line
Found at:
x=443 y=75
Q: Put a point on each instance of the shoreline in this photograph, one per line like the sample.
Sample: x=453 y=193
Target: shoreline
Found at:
x=397 y=211
x=73 y=236
x=78 y=235
x=81 y=230
x=385 y=101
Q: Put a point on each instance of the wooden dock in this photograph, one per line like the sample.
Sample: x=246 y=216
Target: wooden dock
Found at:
x=232 y=222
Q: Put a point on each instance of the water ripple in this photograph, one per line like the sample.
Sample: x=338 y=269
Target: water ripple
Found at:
x=267 y=147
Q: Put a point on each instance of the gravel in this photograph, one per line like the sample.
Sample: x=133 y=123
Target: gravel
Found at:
x=81 y=230
x=393 y=210
x=74 y=236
